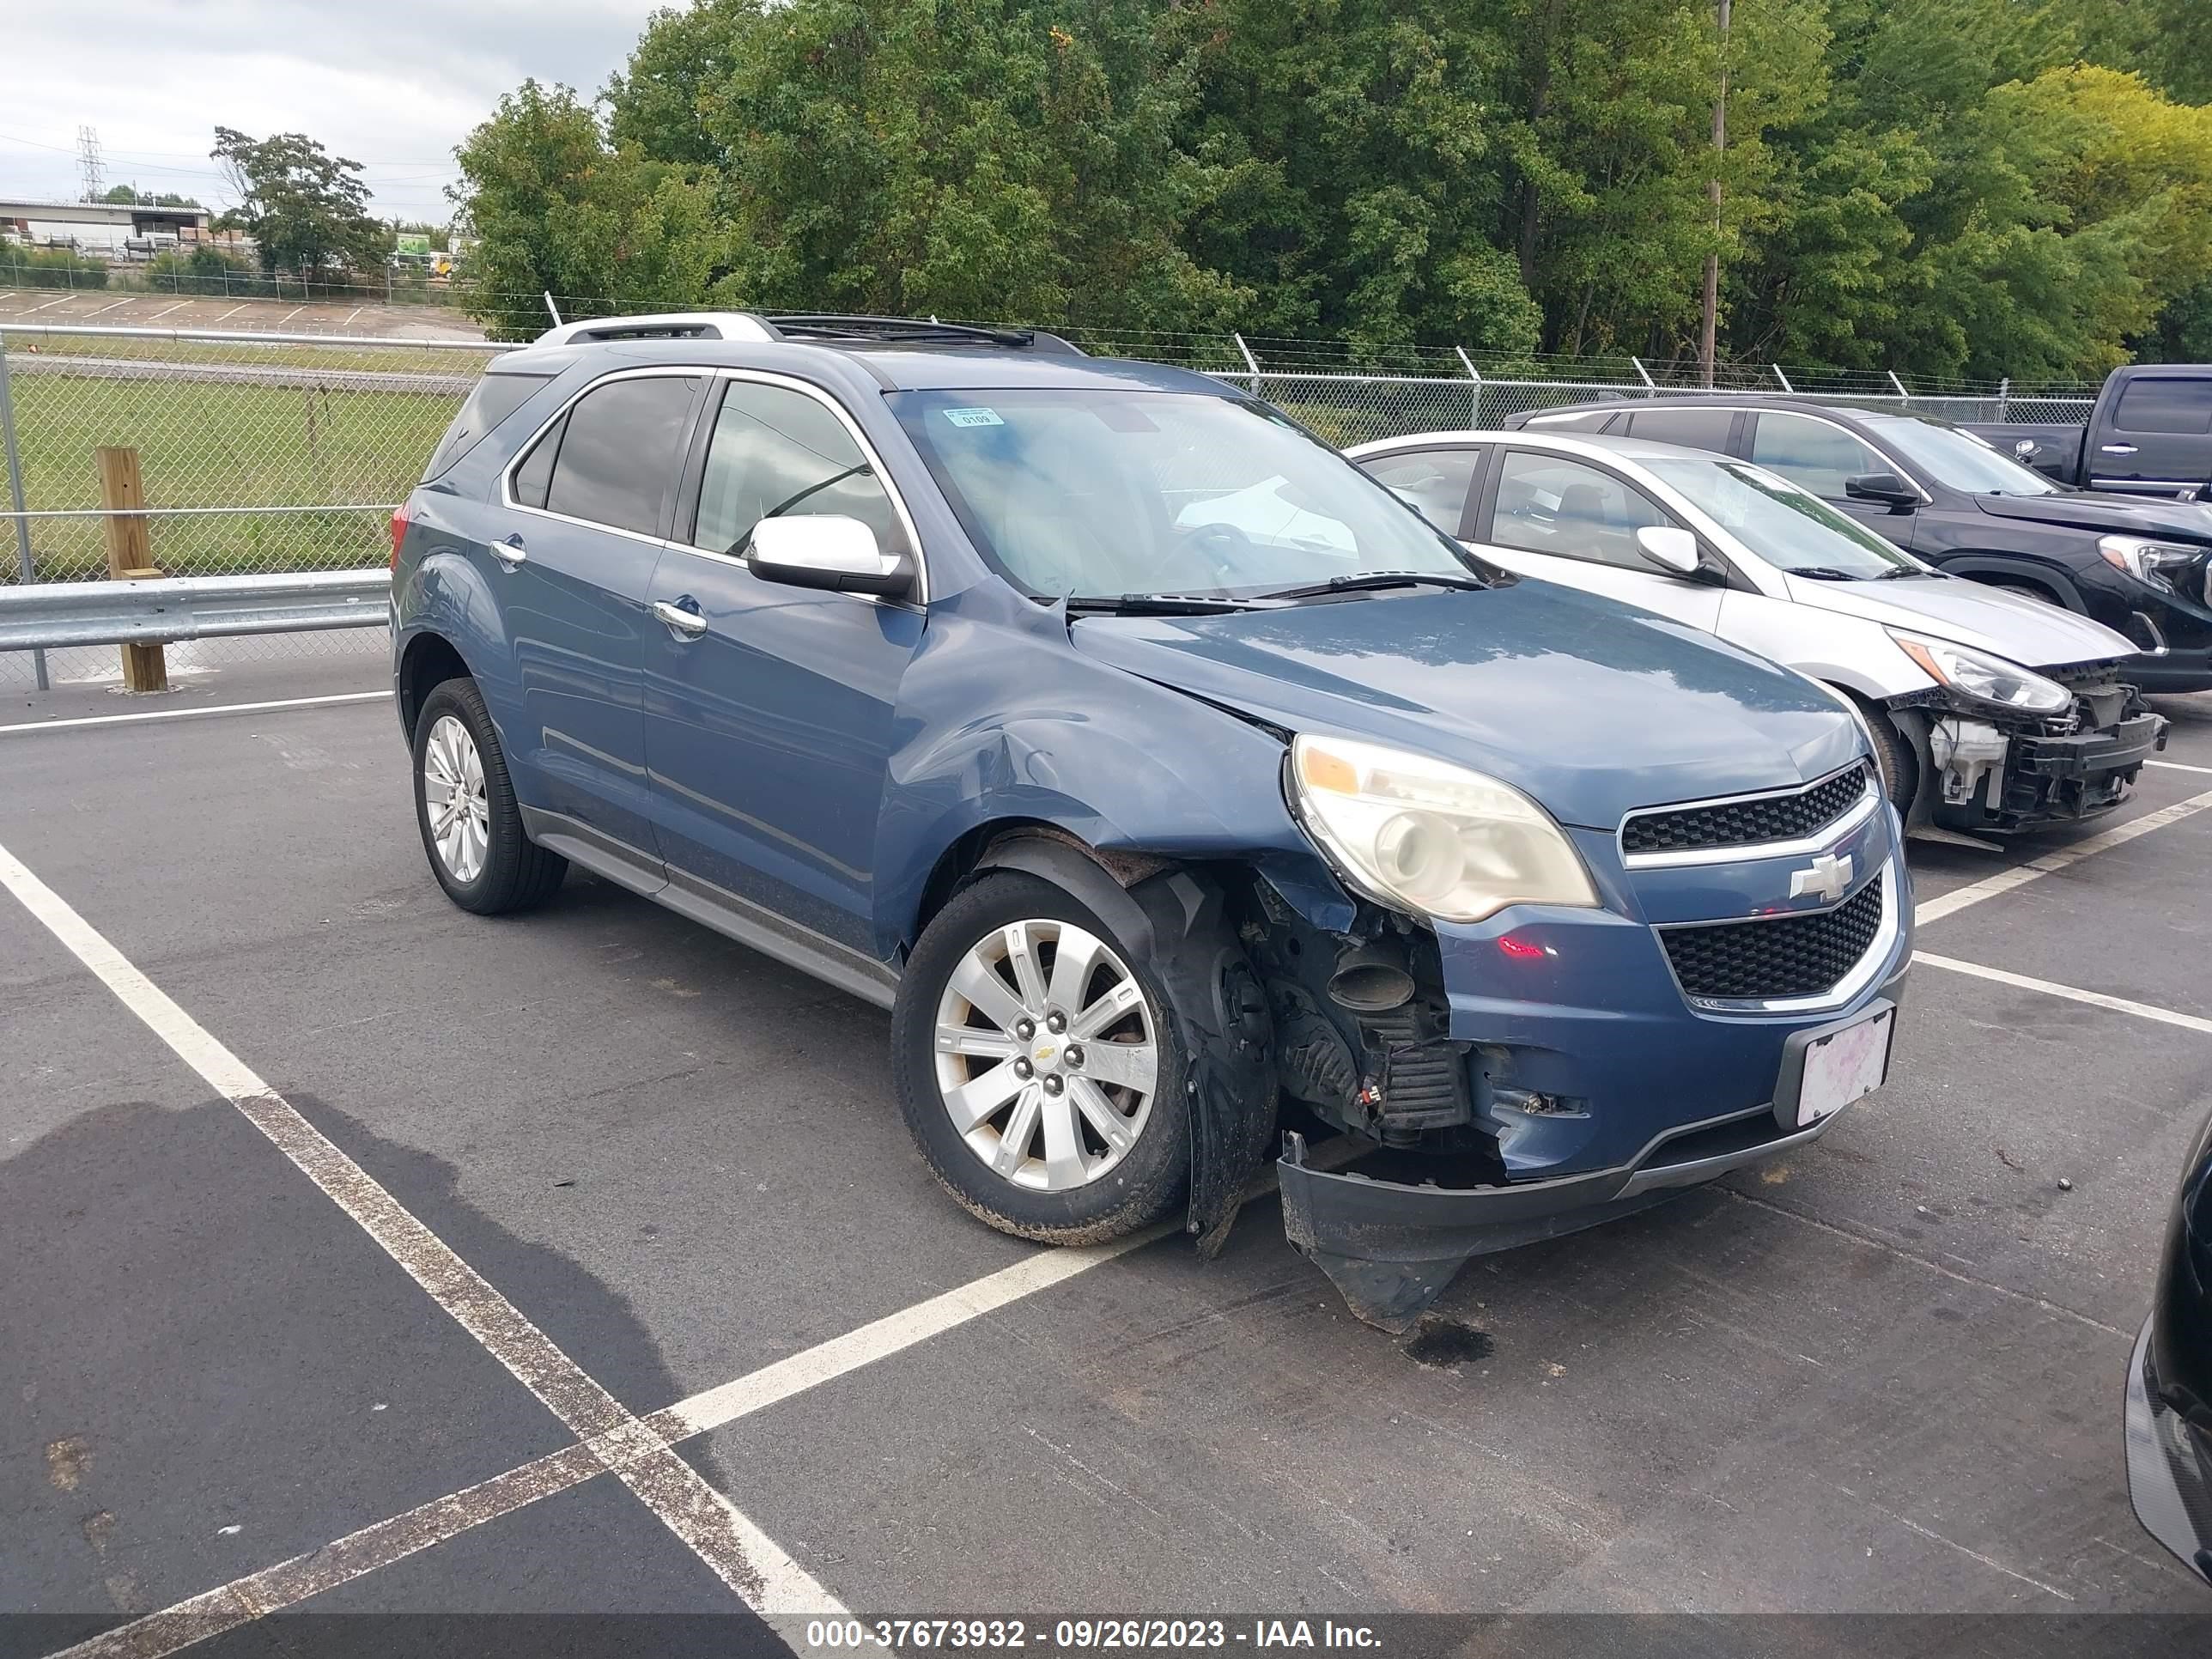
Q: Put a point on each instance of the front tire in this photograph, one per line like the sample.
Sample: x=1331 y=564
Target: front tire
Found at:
x=1893 y=753
x=465 y=808
x=1038 y=1064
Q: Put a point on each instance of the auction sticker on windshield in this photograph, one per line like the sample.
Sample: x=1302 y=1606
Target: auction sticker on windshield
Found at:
x=974 y=417
x=1842 y=1065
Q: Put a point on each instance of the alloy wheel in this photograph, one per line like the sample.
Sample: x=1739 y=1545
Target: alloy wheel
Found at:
x=1047 y=1057
x=453 y=794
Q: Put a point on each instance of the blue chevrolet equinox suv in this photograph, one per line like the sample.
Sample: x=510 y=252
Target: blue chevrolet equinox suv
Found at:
x=1176 y=787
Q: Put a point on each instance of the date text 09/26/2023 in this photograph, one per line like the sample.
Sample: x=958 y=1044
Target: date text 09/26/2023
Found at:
x=1085 y=1635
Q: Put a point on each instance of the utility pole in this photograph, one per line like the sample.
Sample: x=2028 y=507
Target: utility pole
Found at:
x=1709 y=325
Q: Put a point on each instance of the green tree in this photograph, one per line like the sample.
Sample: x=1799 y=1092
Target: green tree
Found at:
x=132 y=196
x=306 y=209
x=974 y=158
x=557 y=209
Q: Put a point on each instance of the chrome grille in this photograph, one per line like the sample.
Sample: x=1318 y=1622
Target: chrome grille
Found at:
x=1747 y=821
x=1787 y=956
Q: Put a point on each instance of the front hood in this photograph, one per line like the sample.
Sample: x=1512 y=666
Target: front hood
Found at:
x=2027 y=631
x=1586 y=706
x=2088 y=509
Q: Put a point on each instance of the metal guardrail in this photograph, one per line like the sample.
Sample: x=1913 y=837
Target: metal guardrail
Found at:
x=51 y=616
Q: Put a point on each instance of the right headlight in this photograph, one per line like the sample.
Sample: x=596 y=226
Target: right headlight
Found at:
x=2154 y=564
x=1421 y=835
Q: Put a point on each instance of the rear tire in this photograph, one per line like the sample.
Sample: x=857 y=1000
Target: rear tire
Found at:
x=465 y=808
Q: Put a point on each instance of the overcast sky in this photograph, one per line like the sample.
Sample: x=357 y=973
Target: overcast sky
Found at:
x=393 y=84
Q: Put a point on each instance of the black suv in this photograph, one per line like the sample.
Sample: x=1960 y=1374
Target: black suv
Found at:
x=2141 y=566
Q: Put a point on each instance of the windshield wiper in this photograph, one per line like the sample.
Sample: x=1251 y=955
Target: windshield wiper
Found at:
x=1898 y=572
x=1826 y=573
x=1156 y=604
x=1372 y=581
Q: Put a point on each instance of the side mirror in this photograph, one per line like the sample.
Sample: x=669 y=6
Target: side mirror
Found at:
x=2024 y=448
x=1670 y=547
x=827 y=550
x=1884 y=487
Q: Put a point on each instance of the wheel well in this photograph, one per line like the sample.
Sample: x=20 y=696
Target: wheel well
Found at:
x=430 y=661
x=960 y=861
x=2010 y=574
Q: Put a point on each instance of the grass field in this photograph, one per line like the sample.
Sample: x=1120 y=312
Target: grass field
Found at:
x=216 y=444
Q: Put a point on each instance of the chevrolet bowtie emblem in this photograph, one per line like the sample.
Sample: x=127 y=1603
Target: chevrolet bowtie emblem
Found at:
x=1827 y=878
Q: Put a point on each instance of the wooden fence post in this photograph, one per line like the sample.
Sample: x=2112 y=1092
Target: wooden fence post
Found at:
x=130 y=556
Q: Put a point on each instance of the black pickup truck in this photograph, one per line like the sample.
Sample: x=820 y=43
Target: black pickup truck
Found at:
x=2149 y=433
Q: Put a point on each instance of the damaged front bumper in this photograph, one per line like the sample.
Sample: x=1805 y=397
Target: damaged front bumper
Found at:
x=1992 y=778
x=1392 y=1247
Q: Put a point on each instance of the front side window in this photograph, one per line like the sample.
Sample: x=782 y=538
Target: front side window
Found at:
x=1550 y=504
x=1434 y=482
x=775 y=452
x=1812 y=454
x=621 y=453
x=1099 y=493
x=1786 y=526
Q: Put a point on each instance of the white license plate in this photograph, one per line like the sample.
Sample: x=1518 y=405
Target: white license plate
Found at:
x=1844 y=1065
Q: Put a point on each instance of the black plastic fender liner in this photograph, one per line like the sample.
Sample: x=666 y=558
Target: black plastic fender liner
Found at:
x=1178 y=922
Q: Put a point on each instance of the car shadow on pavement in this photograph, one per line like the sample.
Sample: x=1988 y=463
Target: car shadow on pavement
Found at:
x=208 y=1368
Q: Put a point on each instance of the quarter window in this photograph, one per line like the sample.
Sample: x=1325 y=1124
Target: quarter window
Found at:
x=781 y=453
x=1548 y=504
x=1812 y=454
x=621 y=453
x=496 y=396
x=1434 y=481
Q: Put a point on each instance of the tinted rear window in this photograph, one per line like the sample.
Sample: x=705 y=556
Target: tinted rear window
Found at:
x=621 y=452
x=496 y=396
x=2173 y=404
x=1692 y=428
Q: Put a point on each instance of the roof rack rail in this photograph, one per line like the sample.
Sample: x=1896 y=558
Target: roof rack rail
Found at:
x=829 y=326
x=662 y=326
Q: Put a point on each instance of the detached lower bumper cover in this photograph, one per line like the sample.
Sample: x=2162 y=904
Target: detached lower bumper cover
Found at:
x=1391 y=1247
x=2118 y=748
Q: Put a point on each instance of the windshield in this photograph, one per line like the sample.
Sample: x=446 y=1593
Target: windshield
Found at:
x=1101 y=493
x=1784 y=525
x=1958 y=459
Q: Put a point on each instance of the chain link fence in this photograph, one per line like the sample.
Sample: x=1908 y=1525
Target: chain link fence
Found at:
x=262 y=451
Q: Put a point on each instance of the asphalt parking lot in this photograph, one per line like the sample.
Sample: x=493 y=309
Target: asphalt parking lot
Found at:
x=365 y=1256
x=116 y=308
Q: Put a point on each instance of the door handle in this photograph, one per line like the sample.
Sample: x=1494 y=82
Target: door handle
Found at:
x=2117 y=449
x=508 y=550
x=686 y=624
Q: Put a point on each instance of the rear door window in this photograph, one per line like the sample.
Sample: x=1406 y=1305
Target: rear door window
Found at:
x=1812 y=454
x=1692 y=428
x=1435 y=482
x=619 y=459
x=2165 y=403
x=495 y=397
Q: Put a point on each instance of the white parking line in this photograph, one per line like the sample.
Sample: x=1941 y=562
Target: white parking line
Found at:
x=2020 y=875
x=165 y=310
x=2176 y=766
x=202 y=708
x=744 y=1557
x=233 y=311
x=2072 y=993
x=64 y=301
x=274 y=1588
x=104 y=310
